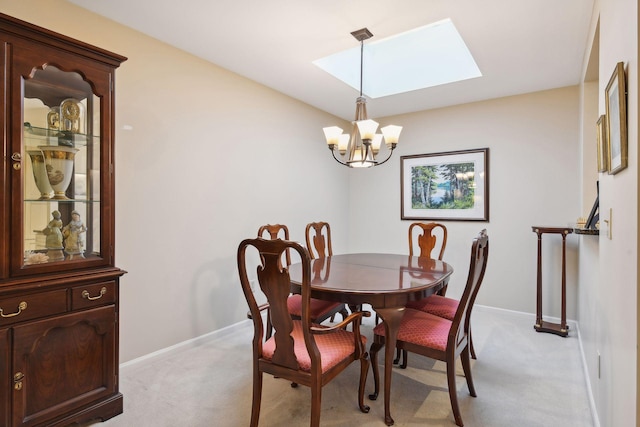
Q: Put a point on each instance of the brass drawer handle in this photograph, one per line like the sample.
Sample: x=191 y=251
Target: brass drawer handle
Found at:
x=22 y=306
x=85 y=294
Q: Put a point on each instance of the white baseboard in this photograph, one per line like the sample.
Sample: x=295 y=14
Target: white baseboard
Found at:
x=592 y=402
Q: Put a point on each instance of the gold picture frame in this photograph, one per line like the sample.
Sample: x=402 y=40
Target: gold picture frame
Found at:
x=616 y=123
x=602 y=146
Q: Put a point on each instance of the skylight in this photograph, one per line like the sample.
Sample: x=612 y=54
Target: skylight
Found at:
x=427 y=56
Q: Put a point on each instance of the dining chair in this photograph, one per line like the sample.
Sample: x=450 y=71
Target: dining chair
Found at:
x=437 y=304
x=426 y=240
x=299 y=350
x=423 y=239
x=439 y=338
x=318 y=237
x=432 y=237
x=321 y=310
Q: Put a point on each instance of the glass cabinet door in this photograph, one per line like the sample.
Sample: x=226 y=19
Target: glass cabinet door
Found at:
x=61 y=160
x=61 y=180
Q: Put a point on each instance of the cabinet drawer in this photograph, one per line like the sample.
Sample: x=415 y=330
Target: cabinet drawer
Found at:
x=27 y=307
x=93 y=295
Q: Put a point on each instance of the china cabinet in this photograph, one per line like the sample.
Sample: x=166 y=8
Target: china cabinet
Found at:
x=59 y=287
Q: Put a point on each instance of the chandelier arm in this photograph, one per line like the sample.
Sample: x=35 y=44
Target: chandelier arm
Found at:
x=385 y=160
x=337 y=159
x=368 y=152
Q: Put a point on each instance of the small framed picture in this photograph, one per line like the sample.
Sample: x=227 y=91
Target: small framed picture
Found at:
x=616 y=123
x=450 y=186
x=602 y=146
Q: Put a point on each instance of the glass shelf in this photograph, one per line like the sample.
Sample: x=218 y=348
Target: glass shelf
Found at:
x=42 y=136
x=63 y=201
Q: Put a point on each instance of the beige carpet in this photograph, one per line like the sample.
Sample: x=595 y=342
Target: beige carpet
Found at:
x=522 y=378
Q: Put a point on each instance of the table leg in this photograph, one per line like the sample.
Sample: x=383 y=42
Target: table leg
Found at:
x=538 y=323
x=392 y=316
x=563 y=318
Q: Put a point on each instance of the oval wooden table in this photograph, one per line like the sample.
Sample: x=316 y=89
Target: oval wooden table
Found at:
x=385 y=281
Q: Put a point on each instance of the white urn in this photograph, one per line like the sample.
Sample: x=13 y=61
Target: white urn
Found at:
x=40 y=173
x=58 y=161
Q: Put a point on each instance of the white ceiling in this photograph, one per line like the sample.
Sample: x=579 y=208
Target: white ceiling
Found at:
x=520 y=46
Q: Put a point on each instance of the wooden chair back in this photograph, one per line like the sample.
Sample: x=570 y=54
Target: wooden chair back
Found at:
x=427 y=241
x=276 y=231
x=477 y=266
x=318 y=237
x=274 y=282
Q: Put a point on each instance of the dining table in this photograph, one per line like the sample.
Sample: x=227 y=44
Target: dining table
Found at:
x=385 y=281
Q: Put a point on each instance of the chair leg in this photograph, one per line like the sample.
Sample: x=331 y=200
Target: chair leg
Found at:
x=453 y=393
x=257 y=396
x=398 y=354
x=364 y=370
x=401 y=355
x=466 y=366
x=373 y=355
x=316 y=404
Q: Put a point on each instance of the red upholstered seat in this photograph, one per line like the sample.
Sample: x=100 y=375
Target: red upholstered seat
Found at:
x=442 y=307
x=436 y=305
x=333 y=347
x=422 y=329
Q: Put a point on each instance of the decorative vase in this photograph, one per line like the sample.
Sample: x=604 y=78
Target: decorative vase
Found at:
x=40 y=173
x=59 y=160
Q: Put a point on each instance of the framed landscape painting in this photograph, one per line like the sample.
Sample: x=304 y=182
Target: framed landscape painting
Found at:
x=616 y=109
x=449 y=186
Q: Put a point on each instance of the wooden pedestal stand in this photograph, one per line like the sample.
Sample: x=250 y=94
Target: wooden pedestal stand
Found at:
x=562 y=328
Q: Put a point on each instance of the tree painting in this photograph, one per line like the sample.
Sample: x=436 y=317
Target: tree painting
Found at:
x=443 y=186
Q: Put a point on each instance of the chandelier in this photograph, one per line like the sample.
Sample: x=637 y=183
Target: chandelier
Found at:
x=360 y=149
